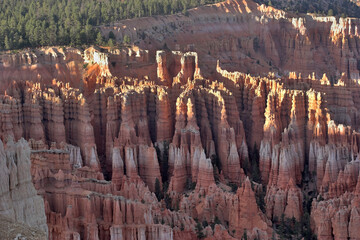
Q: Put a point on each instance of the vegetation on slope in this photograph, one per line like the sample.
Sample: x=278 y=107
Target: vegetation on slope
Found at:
x=30 y=23
x=341 y=8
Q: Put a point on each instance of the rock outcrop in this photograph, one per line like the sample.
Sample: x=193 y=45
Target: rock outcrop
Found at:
x=252 y=38
x=184 y=138
x=18 y=197
x=163 y=144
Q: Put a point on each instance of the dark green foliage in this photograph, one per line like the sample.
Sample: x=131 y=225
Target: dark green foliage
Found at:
x=215 y=161
x=256 y=44
x=216 y=166
x=246 y=166
x=34 y=23
x=163 y=159
x=158 y=191
x=273 y=236
x=233 y=186
x=112 y=35
x=99 y=39
x=126 y=40
x=199 y=229
x=166 y=196
x=165 y=162
x=216 y=221
x=205 y=224
x=260 y=199
x=330 y=12
x=253 y=169
x=168 y=201
x=306 y=230
x=111 y=43
x=190 y=185
x=244 y=236
x=177 y=206
x=165 y=47
x=8 y=44
x=289 y=228
x=337 y=8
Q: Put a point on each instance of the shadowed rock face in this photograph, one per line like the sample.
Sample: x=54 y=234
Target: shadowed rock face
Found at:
x=20 y=204
x=138 y=144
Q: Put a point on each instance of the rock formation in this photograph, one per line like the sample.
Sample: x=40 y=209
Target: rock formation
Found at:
x=166 y=144
x=251 y=37
x=19 y=200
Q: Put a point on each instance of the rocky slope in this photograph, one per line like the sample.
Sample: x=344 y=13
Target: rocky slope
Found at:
x=13 y=230
x=252 y=38
x=143 y=144
x=19 y=200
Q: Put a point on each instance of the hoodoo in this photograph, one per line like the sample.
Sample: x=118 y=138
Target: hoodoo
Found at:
x=231 y=120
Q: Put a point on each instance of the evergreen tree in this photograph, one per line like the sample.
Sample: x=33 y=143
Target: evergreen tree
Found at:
x=111 y=43
x=112 y=35
x=30 y=23
x=158 y=192
x=199 y=229
x=8 y=43
x=255 y=171
x=99 y=39
x=244 y=236
x=330 y=12
x=126 y=40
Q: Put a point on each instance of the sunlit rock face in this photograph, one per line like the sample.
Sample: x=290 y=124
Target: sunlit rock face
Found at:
x=252 y=38
x=144 y=143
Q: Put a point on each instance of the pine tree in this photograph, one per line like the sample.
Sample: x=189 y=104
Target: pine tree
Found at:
x=126 y=40
x=330 y=12
x=112 y=35
x=244 y=236
x=99 y=39
x=8 y=43
x=158 y=192
x=199 y=229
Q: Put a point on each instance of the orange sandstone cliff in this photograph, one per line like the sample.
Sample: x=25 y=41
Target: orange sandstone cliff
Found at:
x=249 y=124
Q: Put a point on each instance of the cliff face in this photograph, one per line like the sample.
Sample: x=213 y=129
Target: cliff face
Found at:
x=138 y=135
x=19 y=200
x=185 y=138
x=253 y=38
x=42 y=65
x=136 y=144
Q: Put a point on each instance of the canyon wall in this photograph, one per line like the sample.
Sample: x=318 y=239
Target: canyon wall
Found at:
x=252 y=38
x=19 y=200
x=166 y=144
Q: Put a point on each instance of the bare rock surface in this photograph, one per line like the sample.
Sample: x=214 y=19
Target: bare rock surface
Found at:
x=142 y=143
